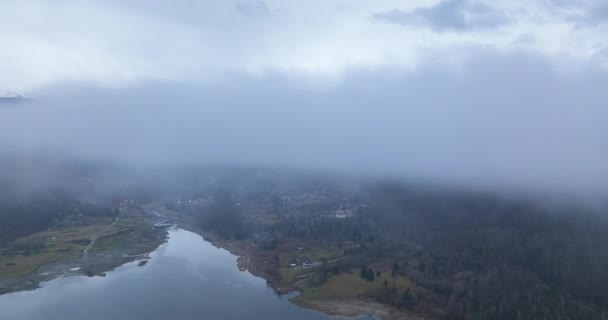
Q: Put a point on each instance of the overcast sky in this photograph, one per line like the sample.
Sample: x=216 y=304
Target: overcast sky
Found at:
x=476 y=92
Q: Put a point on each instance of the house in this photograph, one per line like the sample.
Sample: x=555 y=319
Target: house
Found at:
x=310 y=264
x=343 y=213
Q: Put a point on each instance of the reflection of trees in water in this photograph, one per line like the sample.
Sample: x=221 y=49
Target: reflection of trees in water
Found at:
x=224 y=216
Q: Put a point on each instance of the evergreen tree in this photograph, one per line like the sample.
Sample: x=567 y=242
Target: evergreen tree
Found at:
x=364 y=272
x=408 y=298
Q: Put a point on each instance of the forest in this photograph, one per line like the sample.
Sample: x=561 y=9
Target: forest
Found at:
x=475 y=254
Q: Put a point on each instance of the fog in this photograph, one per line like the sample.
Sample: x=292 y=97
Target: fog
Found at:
x=460 y=108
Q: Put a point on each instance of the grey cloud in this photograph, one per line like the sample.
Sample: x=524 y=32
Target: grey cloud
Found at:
x=601 y=56
x=117 y=43
x=598 y=14
x=582 y=13
x=506 y=120
x=253 y=9
x=453 y=15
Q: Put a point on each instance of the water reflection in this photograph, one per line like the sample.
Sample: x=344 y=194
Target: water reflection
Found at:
x=186 y=278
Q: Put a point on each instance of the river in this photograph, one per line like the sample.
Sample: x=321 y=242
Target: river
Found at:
x=186 y=278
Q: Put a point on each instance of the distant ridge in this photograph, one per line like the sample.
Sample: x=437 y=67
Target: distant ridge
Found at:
x=11 y=97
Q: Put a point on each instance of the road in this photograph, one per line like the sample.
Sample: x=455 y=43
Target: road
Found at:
x=94 y=239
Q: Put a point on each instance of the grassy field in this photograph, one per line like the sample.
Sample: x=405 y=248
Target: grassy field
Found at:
x=25 y=255
x=122 y=231
x=348 y=286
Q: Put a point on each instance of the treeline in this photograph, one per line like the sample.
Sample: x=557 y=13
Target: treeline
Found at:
x=20 y=218
x=522 y=260
x=480 y=256
x=35 y=190
x=223 y=216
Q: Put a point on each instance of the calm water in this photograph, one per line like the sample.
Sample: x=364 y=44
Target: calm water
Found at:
x=186 y=278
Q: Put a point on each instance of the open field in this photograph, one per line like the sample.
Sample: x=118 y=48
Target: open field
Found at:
x=58 y=251
x=349 y=286
x=25 y=255
x=357 y=307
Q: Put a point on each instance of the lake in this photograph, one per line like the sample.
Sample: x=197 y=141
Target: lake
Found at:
x=186 y=278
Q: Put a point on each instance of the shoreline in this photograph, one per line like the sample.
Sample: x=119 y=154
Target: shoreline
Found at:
x=108 y=259
x=103 y=260
x=350 y=308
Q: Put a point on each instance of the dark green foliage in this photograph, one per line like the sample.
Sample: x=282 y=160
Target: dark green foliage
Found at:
x=224 y=216
x=370 y=275
x=408 y=299
x=395 y=267
x=335 y=269
x=422 y=267
x=367 y=274
x=495 y=248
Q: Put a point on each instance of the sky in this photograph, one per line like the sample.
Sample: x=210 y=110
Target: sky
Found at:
x=492 y=93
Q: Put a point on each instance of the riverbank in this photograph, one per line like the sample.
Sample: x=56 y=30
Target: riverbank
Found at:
x=254 y=261
x=333 y=304
x=270 y=267
x=59 y=251
x=353 y=308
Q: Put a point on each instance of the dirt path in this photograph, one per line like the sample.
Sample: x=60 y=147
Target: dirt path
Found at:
x=94 y=239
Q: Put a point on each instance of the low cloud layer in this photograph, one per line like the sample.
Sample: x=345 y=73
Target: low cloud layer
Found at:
x=586 y=13
x=502 y=121
x=456 y=15
x=508 y=94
